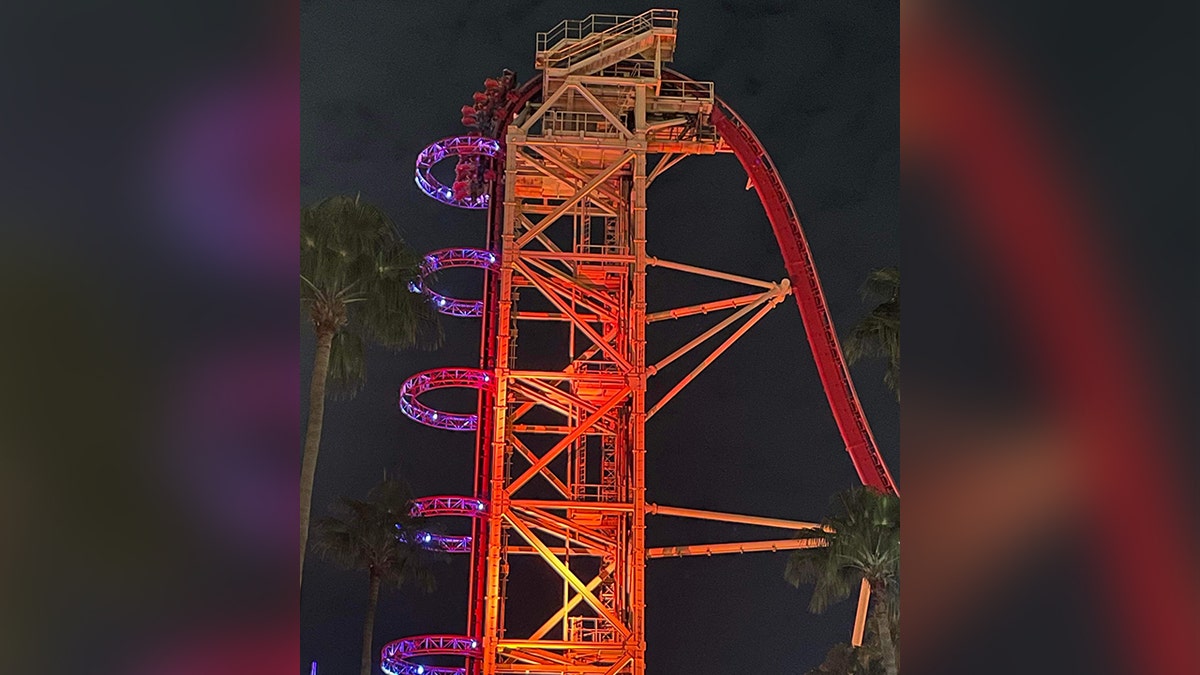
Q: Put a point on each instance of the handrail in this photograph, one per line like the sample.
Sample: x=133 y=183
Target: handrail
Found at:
x=582 y=33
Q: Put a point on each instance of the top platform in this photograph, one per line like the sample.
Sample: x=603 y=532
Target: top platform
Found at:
x=585 y=46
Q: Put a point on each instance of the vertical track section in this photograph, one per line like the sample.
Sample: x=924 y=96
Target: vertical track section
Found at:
x=810 y=298
x=489 y=360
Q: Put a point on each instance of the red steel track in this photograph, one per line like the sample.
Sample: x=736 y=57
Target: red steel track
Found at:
x=797 y=259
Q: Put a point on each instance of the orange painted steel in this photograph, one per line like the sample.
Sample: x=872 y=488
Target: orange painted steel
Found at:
x=560 y=433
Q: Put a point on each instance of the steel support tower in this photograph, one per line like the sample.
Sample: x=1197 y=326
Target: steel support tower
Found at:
x=562 y=165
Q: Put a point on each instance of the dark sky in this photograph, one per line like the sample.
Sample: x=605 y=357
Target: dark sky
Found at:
x=819 y=83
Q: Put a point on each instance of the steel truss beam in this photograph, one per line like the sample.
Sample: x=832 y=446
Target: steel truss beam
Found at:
x=716 y=353
x=550 y=218
x=567 y=575
x=568 y=222
x=575 y=433
x=773 y=545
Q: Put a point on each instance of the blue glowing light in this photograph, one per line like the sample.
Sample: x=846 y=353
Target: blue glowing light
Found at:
x=420 y=670
x=491 y=257
x=472 y=644
x=479 y=506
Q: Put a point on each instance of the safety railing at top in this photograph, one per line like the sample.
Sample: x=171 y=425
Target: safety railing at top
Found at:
x=598 y=27
x=559 y=122
x=629 y=68
x=687 y=89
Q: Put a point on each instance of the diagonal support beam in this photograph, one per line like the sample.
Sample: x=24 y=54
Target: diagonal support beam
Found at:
x=573 y=531
x=725 y=276
x=860 y=614
x=537 y=115
x=572 y=184
x=603 y=110
x=704 y=307
x=576 y=320
x=567 y=440
x=591 y=185
x=619 y=665
x=565 y=572
x=713 y=356
x=701 y=338
x=571 y=604
x=601 y=304
x=667 y=161
x=554 y=157
x=546 y=473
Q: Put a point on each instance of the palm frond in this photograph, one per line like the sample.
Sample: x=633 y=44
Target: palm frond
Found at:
x=862 y=535
x=882 y=283
x=877 y=335
x=355 y=270
x=377 y=534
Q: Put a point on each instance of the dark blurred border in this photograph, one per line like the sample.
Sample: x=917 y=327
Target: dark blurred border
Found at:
x=148 y=417
x=148 y=407
x=1049 y=439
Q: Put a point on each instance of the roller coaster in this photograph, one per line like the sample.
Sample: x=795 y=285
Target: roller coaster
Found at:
x=561 y=165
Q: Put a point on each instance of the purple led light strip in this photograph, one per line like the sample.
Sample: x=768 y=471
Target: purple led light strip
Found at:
x=455 y=146
x=442 y=378
x=396 y=654
x=450 y=258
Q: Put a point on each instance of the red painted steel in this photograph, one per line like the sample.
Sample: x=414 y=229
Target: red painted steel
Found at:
x=627 y=557
x=806 y=287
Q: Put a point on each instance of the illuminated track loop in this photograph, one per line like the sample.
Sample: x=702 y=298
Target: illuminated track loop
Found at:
x=451 y=506
x=455 y=146
x=450 y=258
x=396 y=656
x=806 y=285
x=448 y=505
x=442 y=378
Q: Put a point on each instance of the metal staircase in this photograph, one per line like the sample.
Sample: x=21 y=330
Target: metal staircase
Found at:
x=585 y=46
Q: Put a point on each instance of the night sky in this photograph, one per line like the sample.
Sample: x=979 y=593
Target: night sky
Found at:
x=819 y=84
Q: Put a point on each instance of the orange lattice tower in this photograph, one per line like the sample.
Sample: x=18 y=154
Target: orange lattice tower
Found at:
x=561 y=165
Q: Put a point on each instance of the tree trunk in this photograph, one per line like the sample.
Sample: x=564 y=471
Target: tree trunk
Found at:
x=883 y=628
x=312 y=438
x=369 y=626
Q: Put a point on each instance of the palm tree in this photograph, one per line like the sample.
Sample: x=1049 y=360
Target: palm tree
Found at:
x=377 y=535
x=354 y=274
x=878 y=333
x=861 y=541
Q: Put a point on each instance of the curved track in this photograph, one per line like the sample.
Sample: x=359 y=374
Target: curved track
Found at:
x=797 y=258
x=451 y=258
x=806 y=286
x=397 y=655
x=442 y=378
